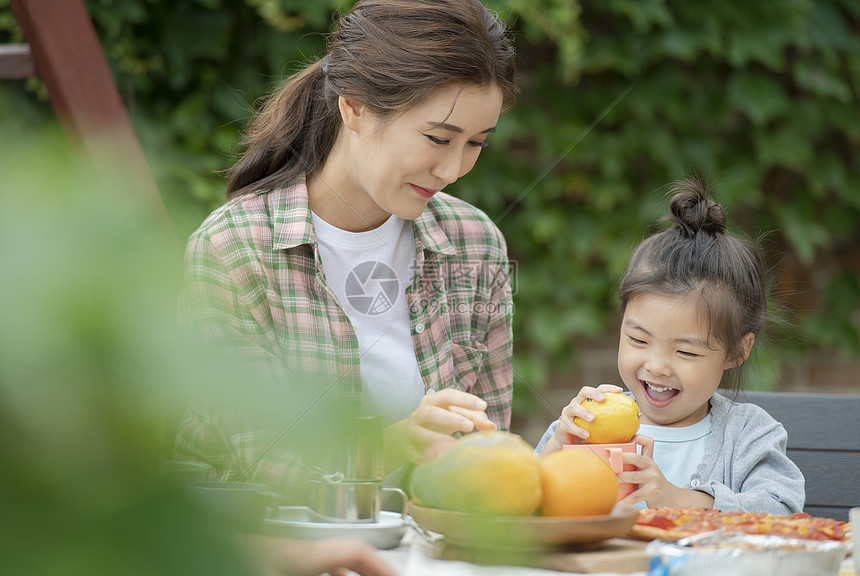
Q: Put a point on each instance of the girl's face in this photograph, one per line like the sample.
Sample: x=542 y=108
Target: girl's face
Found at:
x=396 y=167
x=665 y=361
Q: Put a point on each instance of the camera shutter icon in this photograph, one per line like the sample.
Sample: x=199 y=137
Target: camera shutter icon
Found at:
x=372 y=287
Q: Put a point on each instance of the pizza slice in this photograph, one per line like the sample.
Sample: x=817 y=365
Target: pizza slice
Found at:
x=675 y=523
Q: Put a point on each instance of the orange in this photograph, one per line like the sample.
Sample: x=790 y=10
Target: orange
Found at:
x=577 y=483
x=616 y=419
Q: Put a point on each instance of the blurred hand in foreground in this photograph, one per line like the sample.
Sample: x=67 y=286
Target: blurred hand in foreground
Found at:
x=336 y=556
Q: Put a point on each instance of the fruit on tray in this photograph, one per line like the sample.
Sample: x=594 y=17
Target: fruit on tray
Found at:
x=493 y=472
x=577 y=483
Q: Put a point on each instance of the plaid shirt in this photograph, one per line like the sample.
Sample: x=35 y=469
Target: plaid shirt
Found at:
x=255 y=285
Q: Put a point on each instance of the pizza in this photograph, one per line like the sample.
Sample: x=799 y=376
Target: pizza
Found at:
x=676 y=523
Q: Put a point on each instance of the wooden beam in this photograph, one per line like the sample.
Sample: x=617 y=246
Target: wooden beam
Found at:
x=16 y=62
x=70 y=61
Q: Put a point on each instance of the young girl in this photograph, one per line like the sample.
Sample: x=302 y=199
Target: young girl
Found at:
x=693 y=302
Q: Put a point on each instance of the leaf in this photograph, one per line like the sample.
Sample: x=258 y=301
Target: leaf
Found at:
x=681 y=44
x=784 y=145
x=818 y=79
x=827 y=28
x=841 y=223
x=802 y=230
x=827 y=173
x=210 y=4
x=758 y=96
x=739 y=184
x=761 y=44
x=643 y=15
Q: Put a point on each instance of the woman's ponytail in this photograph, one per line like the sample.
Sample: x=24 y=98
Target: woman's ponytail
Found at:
x=291 y=135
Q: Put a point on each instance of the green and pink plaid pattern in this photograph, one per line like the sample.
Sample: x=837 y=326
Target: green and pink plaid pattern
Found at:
x=255 y=288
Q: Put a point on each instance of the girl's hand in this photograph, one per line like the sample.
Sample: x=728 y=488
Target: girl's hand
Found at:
x=654 y=489
x=419 y=437
x=569 y=433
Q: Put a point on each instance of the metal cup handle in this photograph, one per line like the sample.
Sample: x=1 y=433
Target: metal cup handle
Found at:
x=404 y=498
x=272 y=503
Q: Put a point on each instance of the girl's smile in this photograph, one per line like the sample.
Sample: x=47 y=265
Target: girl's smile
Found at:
x=659 y=395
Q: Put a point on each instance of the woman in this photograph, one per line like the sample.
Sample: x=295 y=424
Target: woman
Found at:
x=337 y=262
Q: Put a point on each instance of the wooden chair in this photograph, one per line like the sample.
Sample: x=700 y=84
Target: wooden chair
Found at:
x=824 y=442
x=63 y=50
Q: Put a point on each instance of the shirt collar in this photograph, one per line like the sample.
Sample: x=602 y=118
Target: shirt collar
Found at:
x=292 y=221
x=429 y=235
x=291 y=216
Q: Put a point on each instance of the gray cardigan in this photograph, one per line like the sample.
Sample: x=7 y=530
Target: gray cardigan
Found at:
x=745 y=466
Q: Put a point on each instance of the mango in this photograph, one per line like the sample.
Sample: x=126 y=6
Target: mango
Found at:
x=493 y=472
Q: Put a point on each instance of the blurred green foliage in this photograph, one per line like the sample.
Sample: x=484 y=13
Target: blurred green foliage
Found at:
x=90 y=362
x=619 y=97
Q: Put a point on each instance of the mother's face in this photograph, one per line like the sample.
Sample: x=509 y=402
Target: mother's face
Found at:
x=400 y=164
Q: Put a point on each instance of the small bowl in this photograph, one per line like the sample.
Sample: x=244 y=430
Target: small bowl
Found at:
x=181 y=472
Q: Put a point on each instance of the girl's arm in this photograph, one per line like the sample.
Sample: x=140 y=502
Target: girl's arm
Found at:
x=749 y=469
x=762 y=478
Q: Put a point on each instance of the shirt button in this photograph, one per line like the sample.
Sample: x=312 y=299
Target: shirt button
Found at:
x=694 y=483
x=419 y=328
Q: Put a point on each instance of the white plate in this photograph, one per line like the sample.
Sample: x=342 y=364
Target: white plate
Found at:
x=300 y=522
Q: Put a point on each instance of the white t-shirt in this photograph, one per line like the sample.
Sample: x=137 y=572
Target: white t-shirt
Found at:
x=678 y=451
x=369 y=272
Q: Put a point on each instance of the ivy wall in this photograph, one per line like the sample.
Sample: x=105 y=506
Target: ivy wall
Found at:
x=619 y=97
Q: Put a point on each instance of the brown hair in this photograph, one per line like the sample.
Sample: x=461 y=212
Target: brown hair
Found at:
x=696 y=256
x=388 y=54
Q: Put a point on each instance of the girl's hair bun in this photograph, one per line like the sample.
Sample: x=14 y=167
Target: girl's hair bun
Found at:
x=694 y=210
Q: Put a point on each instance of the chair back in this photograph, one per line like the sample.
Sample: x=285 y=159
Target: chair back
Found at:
x=824 y=442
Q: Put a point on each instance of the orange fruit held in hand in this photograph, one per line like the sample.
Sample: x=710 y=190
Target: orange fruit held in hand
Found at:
x=577 y=483
x=616 y=419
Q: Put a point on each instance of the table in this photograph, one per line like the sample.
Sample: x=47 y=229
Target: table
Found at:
x=415 y=557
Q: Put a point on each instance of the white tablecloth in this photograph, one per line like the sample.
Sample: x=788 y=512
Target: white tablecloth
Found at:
x=414 y=557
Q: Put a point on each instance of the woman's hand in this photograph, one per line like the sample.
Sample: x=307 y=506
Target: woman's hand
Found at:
x=654 y=489
x=337 y=556
x=569 y=433
x=427 y=431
